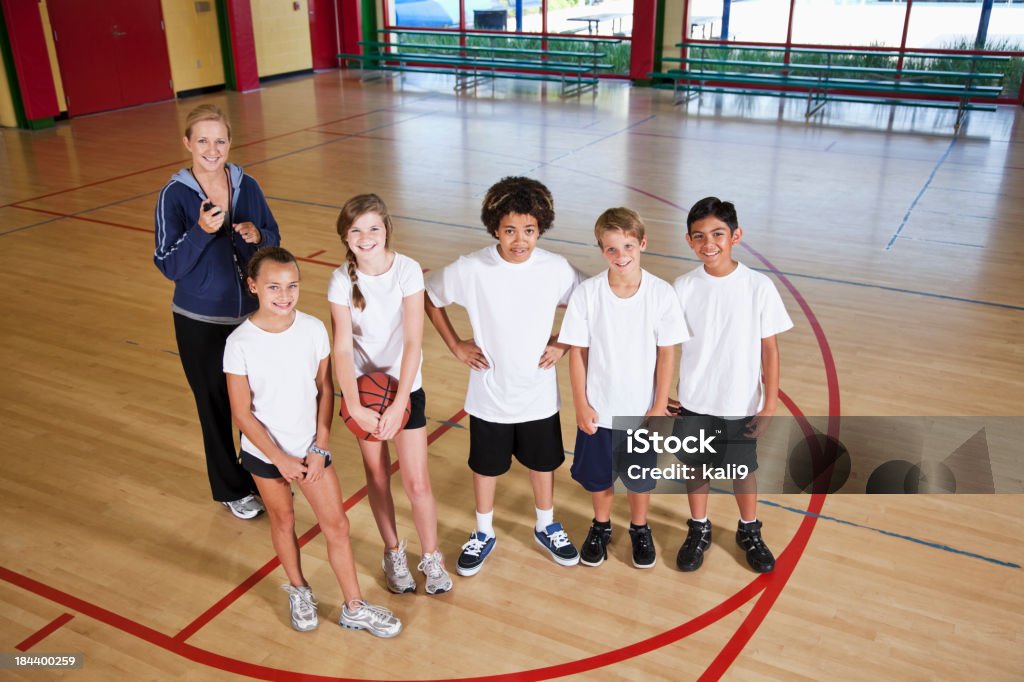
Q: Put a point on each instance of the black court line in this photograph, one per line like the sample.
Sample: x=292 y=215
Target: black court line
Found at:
x=819 y=278
x=69 y=215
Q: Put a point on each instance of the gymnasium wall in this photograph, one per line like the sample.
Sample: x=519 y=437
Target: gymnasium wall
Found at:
x=44 y=14
x=8 y=118
x=193 y=45
x=672 y=32
x=282 y=36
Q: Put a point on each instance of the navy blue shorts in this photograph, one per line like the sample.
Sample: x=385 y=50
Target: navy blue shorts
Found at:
x=596 y=463
x=257 y=467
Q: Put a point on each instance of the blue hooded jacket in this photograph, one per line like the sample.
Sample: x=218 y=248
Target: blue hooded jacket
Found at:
x=202 y=264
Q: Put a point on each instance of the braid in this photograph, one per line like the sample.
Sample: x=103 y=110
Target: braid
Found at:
x=357 y=296
x=352 y=210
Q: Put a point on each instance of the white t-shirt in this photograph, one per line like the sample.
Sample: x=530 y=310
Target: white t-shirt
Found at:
x=511 y=307
x=720 y=367
x=623 y=335
x=281 y=368
x=378 y=339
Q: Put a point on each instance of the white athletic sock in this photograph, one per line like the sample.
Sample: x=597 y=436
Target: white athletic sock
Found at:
x=704 y=520
x=742 y=521
x=545 y=517
x=485 y=523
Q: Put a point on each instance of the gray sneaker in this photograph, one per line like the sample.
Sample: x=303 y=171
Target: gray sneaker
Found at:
x=396 y=570
x=303 y=607
x=438 y=580
x=376 y=620
x=249 y=507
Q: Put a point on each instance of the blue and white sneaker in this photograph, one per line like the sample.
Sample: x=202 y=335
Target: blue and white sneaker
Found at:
x=474 y=553
x=556 y=541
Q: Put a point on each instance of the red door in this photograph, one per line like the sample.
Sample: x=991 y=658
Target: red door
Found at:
x=85 y=54
x=111 y=54
x=144 y=68
x=323 y=34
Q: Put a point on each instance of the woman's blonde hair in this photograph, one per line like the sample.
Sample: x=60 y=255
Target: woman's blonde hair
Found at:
x=205 y=112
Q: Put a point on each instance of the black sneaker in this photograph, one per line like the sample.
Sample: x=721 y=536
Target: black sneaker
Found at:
x=595 y=548
x=698 y=539
x=644 y=555
x=748 y=537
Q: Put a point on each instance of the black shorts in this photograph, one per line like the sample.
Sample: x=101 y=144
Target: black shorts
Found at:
x=257 y=467
x=536 y=444
x=737 y=448
x=417 y=410
x=597 y=462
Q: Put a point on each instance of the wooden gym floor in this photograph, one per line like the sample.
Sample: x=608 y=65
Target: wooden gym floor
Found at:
x=897 y=251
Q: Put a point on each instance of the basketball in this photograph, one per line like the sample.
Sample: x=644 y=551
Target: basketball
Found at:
x=376 y=391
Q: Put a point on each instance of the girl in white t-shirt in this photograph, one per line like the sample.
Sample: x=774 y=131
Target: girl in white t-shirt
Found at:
x=377 y=314
x=278 y=372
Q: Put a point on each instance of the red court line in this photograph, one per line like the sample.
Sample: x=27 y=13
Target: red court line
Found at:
x=221 y=662
x=718 y=666
x=178 y=162
x=316 y=253
x=88 y=220
x=262 y=572
x=318 y=262
x=45 y=632
x=786 y=564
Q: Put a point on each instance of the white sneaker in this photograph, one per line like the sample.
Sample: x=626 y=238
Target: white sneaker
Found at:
x=396 y=570
x=376 y=620
x=303 y=607
x=438 y=580
x=249 y=507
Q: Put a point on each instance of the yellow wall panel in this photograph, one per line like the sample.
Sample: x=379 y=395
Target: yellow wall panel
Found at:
x=282 y=38
x=193 y=45
x=672 y=30
x=58 y=84
x=8 y=118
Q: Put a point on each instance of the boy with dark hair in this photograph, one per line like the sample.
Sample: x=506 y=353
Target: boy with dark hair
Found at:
x=733 y=314
x=510 y=292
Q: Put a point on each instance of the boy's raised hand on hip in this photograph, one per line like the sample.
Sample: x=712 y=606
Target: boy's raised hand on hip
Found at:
x=553 y=352
x=470 y=353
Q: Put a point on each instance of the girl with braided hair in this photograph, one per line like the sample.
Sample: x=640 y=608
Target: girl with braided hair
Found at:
x=377 y=313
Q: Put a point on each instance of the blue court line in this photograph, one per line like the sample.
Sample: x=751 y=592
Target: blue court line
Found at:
x=946 y=242
x=819 y=278
x=888 y=533
x=908 y=538
x=931 y=176
x=593 y=142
